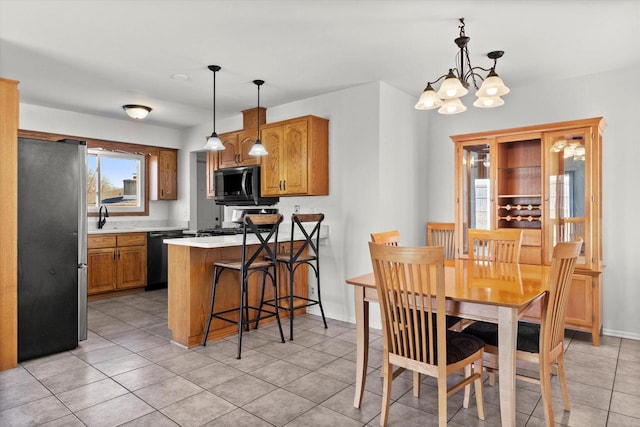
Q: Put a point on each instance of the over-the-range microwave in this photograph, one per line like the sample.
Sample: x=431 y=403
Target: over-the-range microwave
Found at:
x=240 y=186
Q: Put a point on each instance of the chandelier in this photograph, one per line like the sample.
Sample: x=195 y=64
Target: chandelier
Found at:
x=457 y=81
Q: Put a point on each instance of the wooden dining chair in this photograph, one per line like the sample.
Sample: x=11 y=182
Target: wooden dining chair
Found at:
x=501 y=245
x=541 y=343
x=411 y=293
x=442 y=234
x=386 y=237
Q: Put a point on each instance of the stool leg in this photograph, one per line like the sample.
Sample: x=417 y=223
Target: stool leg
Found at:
x=274 y=280
x=319 y=297
x=264 y=281
x=243 y=282
x=213 y=295
x=292 y=272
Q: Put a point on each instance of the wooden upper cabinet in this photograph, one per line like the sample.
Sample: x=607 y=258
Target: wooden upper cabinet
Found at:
x=228 y=157
x=298 y=159
x=163 y=172
x=167 y=174
x=237 y=146
x=246 y=139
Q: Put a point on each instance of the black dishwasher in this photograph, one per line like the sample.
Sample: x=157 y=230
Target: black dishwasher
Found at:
x=157 y=257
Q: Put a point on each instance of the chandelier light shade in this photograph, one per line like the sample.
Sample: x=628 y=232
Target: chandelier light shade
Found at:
x=258 y=149
x=213 y=142
x=137 y=112
x=458 y=80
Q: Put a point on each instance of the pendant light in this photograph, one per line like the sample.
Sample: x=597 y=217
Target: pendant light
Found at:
x=213 y=142
x=258 y=149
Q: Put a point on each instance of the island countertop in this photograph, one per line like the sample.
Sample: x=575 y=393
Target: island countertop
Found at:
x=211 y=242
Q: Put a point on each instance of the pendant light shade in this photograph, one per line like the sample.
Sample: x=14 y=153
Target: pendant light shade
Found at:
x=429 y=99
x=213 y=142
x=452 y=87
x=258 y=149
x=492 y=86
x=452 y=106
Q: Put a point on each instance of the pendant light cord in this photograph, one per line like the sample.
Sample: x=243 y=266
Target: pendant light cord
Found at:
x=214 y=102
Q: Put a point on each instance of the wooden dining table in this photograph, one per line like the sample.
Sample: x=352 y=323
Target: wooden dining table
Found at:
x=477 y=290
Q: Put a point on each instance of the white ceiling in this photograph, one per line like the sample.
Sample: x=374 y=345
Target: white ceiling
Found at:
x=93 y=56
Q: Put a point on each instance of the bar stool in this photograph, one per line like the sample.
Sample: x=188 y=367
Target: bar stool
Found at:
x=307 y=254
x=263 y=259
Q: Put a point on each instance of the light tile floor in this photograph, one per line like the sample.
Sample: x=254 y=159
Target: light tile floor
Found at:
x=127 y=373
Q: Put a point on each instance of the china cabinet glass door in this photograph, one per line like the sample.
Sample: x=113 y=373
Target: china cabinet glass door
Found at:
x=477 y=191
x=565 y=193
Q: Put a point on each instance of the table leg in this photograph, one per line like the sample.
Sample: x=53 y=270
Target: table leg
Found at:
x=507 y=339
x=362 y=343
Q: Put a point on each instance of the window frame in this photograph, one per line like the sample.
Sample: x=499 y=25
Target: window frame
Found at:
x=142 y=173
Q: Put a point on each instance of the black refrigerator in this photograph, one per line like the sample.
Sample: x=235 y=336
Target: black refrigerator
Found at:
x=52 y=242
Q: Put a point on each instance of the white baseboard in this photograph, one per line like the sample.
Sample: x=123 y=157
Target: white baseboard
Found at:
x=621 y=334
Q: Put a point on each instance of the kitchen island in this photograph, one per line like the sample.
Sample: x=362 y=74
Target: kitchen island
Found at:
x=190 y=277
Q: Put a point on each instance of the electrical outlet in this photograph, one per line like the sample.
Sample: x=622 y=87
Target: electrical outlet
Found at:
x=312 y=291
x=296 y=209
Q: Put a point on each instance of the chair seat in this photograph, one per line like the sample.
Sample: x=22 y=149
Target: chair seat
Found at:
x=236 y=264
x=289 y=258
x=528 y=335
x=460 y=346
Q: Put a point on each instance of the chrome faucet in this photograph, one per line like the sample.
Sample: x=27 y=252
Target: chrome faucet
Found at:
x=102 y=219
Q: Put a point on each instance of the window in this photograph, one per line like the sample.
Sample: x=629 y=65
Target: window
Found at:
x=116 y=180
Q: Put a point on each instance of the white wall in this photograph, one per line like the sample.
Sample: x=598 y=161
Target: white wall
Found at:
x=612 y=95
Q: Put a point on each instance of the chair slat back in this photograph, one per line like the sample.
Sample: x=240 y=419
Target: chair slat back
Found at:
x=407 y=280
x=501 y=245
x=563 y=264
x=442 y=234
x=389 y=238
x=255 y=224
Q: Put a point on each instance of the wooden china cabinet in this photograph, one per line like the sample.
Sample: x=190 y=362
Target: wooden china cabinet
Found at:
x=547 y=181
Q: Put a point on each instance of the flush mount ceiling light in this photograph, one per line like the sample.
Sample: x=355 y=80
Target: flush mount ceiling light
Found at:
x=458 y=80
x=136 y=111
x=213 y=142
x=258 y=149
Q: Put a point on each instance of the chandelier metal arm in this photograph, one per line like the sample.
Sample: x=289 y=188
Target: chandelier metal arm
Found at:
x=438 y=79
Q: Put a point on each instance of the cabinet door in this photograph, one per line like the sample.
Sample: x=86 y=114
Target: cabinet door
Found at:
x=271 y=177
x=475 y=193
x=580 y=305
x=101 y=270
x=132 y=267
x=294 y=158
x=567 y=191
x=246 y=139
x=168 y=175
x=228 y=157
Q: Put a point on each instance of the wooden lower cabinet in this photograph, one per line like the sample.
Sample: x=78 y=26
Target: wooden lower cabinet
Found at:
x=583 y=309
x=101 y=270
x=116 y=262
